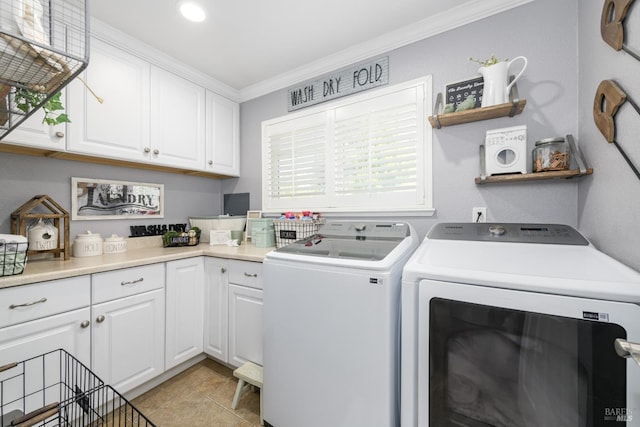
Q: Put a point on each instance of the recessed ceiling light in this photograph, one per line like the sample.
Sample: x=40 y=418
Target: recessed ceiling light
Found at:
x=192 y=11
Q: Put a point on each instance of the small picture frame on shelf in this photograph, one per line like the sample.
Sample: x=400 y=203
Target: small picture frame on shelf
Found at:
x=251 y=215
x=463 y=95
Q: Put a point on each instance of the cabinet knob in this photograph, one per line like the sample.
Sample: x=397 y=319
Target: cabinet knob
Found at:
x=85 y=324
x=100 y=318
x=210 y=162
x=223 y=270
x=60 y=134
x=147 y=149
x=156 y=151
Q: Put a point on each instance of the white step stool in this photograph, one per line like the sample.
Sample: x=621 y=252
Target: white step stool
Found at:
x=249 y=374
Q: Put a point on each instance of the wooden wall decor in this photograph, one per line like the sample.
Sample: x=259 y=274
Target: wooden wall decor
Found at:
x=612 y=25
x=609 y=97
x=25 y=215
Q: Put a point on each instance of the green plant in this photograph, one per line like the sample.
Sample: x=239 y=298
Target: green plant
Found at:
x=27 y=99
x=491 y=61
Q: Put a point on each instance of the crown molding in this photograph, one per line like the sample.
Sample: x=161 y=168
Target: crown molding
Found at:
x=136 y=47
x=458 y=16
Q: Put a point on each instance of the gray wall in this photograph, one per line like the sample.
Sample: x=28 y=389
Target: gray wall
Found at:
x=610 y=198
x=22 y=177
x=545 y=31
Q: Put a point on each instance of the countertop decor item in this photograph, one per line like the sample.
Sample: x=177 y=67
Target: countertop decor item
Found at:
x=186 y=238
x=87 y=244
x=43 y=208
x=114 y=244
x=13 y=254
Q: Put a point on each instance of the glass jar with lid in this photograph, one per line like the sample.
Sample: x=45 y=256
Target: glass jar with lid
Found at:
x=551 y=154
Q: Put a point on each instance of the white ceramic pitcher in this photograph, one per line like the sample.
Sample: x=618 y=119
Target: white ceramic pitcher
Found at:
x=497 y=88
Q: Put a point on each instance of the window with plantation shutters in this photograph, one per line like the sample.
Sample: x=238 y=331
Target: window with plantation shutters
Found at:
x=366 y=153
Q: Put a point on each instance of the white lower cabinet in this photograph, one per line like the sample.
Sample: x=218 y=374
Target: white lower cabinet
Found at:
x=69 y=331
x=216 y=303
x=184 y=310
x=128 y=331
x=245 y=325
x=233 y=311
x=45 y=316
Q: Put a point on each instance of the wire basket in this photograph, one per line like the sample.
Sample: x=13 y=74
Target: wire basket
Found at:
x=289 y=230
x=43 y=46
x=13 y=258
x=55 y=389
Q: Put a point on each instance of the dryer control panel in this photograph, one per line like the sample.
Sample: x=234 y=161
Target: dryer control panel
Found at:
x=555 y=234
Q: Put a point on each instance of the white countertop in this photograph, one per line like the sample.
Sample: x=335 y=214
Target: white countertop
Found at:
x=141 y=251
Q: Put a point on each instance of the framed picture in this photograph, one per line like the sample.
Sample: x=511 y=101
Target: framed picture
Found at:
x=251 y=215
x=469 y=90
x=95 y=199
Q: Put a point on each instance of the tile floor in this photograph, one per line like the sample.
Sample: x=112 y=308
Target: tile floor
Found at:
x=200 y=397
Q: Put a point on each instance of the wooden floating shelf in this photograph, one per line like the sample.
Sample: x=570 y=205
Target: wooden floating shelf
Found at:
x=538 y=176
x=508 y=109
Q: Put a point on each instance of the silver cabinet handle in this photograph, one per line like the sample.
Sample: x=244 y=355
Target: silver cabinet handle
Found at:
x=223 y=270
x=27 y=304
x=132 y=282
x=210 y=162
x=85 y=324
x=100 y=318
x=147 y=149
x=626 y=349
x=156 y=151
x=60 y=134
x=251 y=275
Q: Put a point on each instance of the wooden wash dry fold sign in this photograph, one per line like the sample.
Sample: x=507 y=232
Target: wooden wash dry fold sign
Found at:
x=347 y=81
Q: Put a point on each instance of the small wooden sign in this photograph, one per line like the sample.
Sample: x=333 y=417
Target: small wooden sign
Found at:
x=347 y=81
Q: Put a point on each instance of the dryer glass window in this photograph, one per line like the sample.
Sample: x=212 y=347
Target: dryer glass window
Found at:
x=492 y=366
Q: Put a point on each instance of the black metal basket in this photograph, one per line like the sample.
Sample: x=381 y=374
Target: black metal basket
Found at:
x=55 y=389
x=13 y=258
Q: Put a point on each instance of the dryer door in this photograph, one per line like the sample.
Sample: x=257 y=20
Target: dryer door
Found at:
x=498 y=357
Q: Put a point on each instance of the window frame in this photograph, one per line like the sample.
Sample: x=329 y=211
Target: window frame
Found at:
x=424 y=86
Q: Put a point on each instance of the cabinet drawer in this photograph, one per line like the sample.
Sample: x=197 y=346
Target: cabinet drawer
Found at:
x=245 y=273
x=128 y=281
x=29 y=302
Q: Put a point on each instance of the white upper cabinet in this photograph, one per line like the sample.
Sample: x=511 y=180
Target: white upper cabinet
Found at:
x=34 y=133
x=178 y=120
x=222 y=139
x=119 y=127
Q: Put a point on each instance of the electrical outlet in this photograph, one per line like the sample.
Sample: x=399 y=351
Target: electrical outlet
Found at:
x=479 y=215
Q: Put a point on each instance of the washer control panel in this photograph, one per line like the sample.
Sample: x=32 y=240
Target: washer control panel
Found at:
x=555 y=234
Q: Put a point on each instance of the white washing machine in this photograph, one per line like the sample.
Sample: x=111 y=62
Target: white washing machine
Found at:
x=518 y=325
x=332 y=326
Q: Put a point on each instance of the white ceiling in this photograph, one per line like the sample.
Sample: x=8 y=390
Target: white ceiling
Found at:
x=248 y=43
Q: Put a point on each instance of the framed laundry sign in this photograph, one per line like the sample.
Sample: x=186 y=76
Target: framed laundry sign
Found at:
x=347 y=81
x=94 y=199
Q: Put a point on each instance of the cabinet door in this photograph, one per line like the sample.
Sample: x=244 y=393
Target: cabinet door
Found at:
x=185 y=310
x=216 y=303
x=66 y=331
x=245 y=325
x=222 y=138
x=119 y=127
x=34 y=133
x=177 y=121
x=128 y=340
